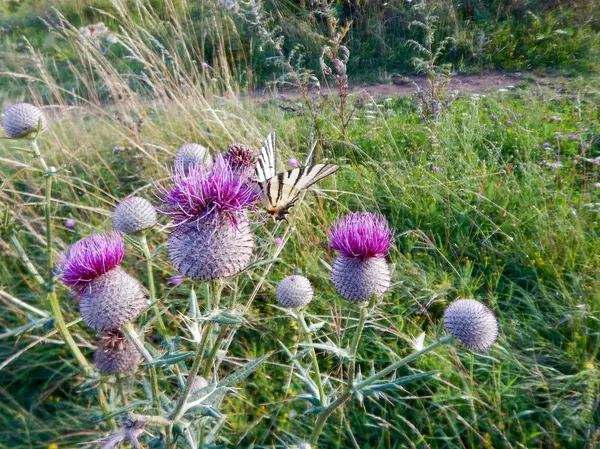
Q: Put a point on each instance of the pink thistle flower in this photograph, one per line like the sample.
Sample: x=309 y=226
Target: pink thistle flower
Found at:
x=293 y=163
x=108 y=296
x=361 y=234
x=90 y=258
x=360 y=270
x=212 y=238
x=202 y=191
x=70 y=223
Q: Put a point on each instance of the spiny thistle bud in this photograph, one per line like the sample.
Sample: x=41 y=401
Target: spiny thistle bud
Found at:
x=191 y=153
x=360 y=270
x=22 y=119
x=116 y=354
x=134 y=215
x=294 y=291
x=472 y=323
x=108 y=296
x=242 y=159
x=212 y=237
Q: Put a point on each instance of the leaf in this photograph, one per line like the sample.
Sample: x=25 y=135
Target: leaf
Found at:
x=243 y=372
x=171 y=359
x=205 y=401
x=316 y=326
x=394 y=384
x=260 y=263
x=227 y=317
x=26 y=327
x=331 y=348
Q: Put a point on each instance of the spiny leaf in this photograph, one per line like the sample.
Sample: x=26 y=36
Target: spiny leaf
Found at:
x=393 y=384
x=243 y=372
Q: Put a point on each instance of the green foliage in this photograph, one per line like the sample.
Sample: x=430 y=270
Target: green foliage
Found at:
x=481 y=208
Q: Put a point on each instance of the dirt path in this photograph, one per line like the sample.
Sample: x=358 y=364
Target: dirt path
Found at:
x=405 y=86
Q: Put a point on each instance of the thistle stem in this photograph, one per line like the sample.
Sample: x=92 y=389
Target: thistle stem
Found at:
x=151 y=287
x=178 y=411
x=26 y=260
x=315 y=361
x=133 y=337
x=400 y=363
x=214 y=299
x=214 y=350
x=347 y=393
x=57 y=314
x=52 y=298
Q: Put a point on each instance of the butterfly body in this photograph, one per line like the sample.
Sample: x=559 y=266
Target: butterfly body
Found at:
x=279 y=192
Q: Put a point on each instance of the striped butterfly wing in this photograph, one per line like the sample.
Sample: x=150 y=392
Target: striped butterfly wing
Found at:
x=303 y=177
x=266 y=163
x=281 y=192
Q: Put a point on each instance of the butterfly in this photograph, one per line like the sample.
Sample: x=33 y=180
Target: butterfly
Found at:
x=280 y=191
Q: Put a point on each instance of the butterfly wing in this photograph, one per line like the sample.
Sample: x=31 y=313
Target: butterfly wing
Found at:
x=266 y=163
x=303 y=177
x=281 y=192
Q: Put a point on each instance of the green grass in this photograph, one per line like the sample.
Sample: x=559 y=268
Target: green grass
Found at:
x=494 y=223
x=480 y=207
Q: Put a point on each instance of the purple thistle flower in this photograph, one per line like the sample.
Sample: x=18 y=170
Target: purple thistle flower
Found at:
x=572 y=137
x=360 y=270
x=436 y=169
x=242 y=159
x=293 y=163
x=278 y=241
x=547 y=145
x=204 y=191
x=212 y=238
x=108 y=296
x=361 y=234
x=90 y=258
x=70 y=223
x=493 y=117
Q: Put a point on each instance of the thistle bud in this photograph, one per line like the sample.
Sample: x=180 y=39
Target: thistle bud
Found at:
x=134 y=215
x=116 y=354
x=294 y=291
x=191 y=153
x=472 y=323
x=22 y=119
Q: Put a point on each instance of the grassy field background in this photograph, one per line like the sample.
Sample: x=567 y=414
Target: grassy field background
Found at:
x=496 y=196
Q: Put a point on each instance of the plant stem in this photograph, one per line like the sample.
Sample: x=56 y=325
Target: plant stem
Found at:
x=26 y=260
x=214 y=350
x=320 y=424
x=315 y=361
x=52 y=298
x=121 y=389
x=214 y=295
x=57 y=314
x=347 y=393
x=394 y=366
x=133 y=337
x=178 y=411
x=150 y=273
x=354 y=347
